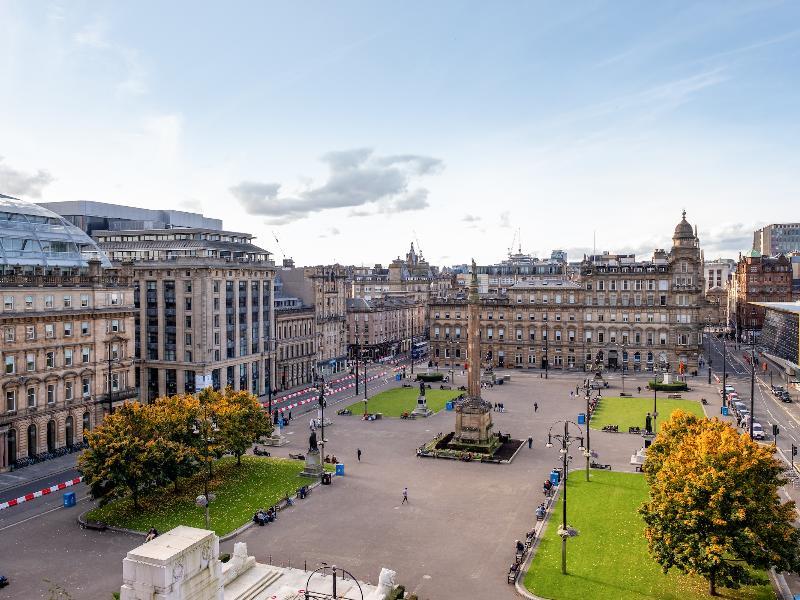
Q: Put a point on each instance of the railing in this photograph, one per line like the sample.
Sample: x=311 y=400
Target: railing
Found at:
x=28 y=280
x=119 y=395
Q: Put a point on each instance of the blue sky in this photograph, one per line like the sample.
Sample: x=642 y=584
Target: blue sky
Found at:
x=351 y=128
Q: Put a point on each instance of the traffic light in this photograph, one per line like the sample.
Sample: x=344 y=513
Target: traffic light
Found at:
x=775 y=429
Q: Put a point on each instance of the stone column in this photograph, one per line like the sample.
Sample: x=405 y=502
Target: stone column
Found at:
x=473 y=336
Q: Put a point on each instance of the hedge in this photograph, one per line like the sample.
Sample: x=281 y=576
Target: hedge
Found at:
x=678 y=386
x=430 y=377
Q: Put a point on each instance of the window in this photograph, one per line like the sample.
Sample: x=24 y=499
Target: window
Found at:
x=49 y=330
x=114 y=325
x=187 y=303
x=84 y=300
x=8 y=303
x=10 y=368
x=600 y=337
x=86 y=387
x=67 y=301
x=85 y=328
x=519 y=334
x=188 y=321
x=31 y=393
x=48 y=302
x=115 y=299
x=67 y=357
x=30 y=332
x=28 y=302
x=85 y=354
x=11 y=400
x=489 y=333
x=50 y=359
x=51 y=393
x=187 y=339
x=30 y=362
x=114 y=351
x=10 y=334
x=68 y=390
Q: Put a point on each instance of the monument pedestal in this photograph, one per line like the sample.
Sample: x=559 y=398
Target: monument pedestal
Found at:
x=313 y=466
x=422 y=409
x=276 y=439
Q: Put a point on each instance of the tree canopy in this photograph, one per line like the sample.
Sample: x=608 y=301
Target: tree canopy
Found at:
x=714 y=508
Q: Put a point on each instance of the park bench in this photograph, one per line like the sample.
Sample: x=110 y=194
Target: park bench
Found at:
x=95 y=525
x=297 y=456
x=674 y=396
x=634 y=430
x=512 y=573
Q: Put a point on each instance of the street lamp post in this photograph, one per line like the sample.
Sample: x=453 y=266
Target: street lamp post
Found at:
x=752 y=386
x=357 y=355
x=655 y=398
x=546 y=355
x=322 y=410
x=566 y=440
x=725 y=371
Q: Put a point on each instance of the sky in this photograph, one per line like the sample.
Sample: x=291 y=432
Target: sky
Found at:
x=344 y=131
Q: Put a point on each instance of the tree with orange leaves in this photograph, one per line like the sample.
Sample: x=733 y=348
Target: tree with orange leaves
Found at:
x=714 y=508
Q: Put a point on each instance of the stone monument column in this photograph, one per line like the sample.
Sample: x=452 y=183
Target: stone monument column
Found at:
x=474 y=337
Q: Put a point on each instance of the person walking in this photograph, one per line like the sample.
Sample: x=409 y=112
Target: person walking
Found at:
x=535 y=407
x=530 y=442
x=358 y=452
x=405 y=496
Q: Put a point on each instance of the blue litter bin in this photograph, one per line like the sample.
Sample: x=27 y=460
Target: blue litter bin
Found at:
x=554 y=477
x=398 y=376
x=69 y=499
x=724 y=411
x=339 y=469
x=581 y=418
x=448 y=406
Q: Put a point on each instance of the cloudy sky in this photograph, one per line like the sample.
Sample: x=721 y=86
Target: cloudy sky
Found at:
x=349 y=129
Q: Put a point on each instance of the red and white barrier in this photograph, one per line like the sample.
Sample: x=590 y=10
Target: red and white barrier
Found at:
x=40 y=493
x=328 y=390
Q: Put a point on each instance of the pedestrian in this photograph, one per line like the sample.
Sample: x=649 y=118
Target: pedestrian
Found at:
x=405 y=496
x=530 y=442
x=358 y=452
x=576 y=390
x=571 y=394
x=535 y=406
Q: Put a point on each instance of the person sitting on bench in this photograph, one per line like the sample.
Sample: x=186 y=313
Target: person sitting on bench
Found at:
x=272 y=514
x=302 y=492
x=260 y=517
x=540 y=512
x=520 y=547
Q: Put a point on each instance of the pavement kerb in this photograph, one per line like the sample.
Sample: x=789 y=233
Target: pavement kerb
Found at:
x=82 y=521
x=539 y=528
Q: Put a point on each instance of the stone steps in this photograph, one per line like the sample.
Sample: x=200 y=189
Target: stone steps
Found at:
x=251 y=584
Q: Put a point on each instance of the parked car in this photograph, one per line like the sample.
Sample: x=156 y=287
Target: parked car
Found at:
x=785 y=396
x=758 y=431
x=738 y=407
x=777 y=389
x=728 y=389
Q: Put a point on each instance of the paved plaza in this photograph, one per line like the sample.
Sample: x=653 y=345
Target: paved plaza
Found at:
x=454 y=539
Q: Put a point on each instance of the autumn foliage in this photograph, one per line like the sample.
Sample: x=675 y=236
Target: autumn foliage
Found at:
x=143 y=447
x=714 y=509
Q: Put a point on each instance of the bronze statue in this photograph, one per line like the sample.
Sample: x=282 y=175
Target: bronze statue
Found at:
x=421 y=388
x=648 y=424
x=312 y=442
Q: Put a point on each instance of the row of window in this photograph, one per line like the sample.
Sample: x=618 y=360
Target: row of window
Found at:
x=31 y=393
x=67 y=355
x=589 y=337
x=48 y=301
x=32 y=332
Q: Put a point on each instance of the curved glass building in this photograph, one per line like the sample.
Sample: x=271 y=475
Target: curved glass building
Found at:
x=32 y=236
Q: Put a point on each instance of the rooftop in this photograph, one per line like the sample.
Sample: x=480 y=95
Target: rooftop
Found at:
x=786 y=307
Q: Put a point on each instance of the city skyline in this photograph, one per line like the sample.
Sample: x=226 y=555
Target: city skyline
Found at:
x=347 y=132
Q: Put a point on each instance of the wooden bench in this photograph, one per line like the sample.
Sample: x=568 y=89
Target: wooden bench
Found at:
x=95 y=525
x=674 y=396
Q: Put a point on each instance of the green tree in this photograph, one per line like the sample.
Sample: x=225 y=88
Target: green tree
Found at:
x=241 y=421
x=714 y=508
x=122 y=452
x=175 y=420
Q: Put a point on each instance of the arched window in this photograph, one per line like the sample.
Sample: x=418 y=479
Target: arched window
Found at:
x=31 y=440
x=69 y=431
x=51 y=435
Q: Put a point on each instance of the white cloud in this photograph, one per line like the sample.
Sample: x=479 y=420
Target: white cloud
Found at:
x=14 y=182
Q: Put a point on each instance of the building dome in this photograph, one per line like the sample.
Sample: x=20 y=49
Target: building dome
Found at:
x=683 y=230
x=34 y=236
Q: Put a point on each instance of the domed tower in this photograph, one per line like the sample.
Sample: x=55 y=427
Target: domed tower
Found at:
x=685 y=236
x=686 y=302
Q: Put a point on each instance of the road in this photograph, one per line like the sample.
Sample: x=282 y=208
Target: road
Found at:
x=767 y=408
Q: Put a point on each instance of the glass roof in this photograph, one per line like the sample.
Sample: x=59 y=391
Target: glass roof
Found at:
x=34 y=236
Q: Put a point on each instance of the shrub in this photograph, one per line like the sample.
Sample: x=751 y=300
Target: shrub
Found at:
x=429 y=377
x=678 y=386
x=224 y=557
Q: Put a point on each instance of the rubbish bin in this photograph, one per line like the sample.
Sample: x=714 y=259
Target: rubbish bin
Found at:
x=398 y=376
x=724 y=411
x=69 y=499
x=326 y=479
x=448 y=406
x=339 y=469
x=554 y=477
x=581 y=418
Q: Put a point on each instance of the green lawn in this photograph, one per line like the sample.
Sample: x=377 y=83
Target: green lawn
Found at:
x=630 y=412
x=609 y=559
x=394 y=402
x=241 y=491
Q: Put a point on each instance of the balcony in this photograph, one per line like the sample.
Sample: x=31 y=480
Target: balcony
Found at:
x=120 y=395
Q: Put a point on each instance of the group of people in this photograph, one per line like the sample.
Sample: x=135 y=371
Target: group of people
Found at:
x=547 y=488
x=263 y=517
x=331 y=459
x=499 y=407
x=540 y=511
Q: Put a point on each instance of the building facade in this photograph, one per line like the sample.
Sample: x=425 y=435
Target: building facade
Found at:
x=296 y=346
x=204 y=309
x=718 y=272
x=759 y=279
x=780 y=337
x=620 y=313
x=67 y=332
x=778 y=238
x=383 y=327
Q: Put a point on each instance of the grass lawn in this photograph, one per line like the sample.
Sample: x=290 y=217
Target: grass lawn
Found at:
x=609 y=559
x=241 y=491
x=630 y=412
x=394 y=402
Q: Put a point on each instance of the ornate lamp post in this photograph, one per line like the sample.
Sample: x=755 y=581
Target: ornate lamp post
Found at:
x=566 y=439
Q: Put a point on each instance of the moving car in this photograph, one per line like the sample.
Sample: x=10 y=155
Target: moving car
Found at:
x=777 y=389
x=785 y=396
x=728 y=389
x=758 y=431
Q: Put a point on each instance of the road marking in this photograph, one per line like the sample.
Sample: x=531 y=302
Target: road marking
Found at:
x=39 y=515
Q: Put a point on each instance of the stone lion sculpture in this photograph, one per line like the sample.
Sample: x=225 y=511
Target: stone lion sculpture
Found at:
x=385 y=585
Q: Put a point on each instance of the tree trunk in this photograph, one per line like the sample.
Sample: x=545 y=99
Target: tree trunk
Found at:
x=712 y=584
x=239 y=459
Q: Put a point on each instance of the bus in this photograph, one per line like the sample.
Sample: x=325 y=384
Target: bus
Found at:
x=418 y=350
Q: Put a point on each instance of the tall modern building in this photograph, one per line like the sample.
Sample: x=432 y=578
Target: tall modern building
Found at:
x=67 y=326
x=100 y=216
x=778 y=238
x=204 y=308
